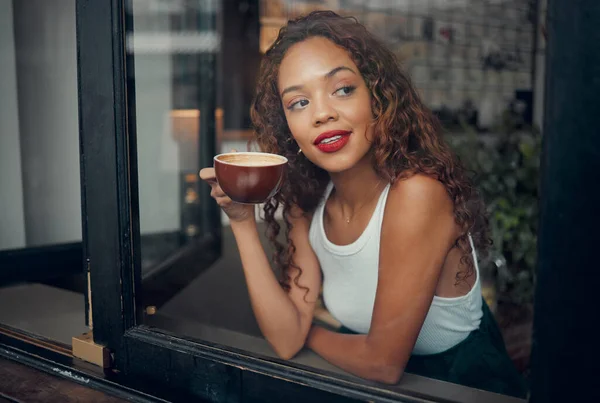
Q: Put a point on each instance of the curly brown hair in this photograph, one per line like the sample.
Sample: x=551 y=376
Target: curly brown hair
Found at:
x=407 y=137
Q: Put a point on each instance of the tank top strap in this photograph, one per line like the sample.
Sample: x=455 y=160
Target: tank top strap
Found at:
x=474 y=255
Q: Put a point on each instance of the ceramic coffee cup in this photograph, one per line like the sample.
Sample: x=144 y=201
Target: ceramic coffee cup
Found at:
x=249 y=177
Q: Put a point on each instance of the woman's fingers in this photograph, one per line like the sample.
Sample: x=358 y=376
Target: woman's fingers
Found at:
x=223 y=201
x=208 y=175
x=217 y=192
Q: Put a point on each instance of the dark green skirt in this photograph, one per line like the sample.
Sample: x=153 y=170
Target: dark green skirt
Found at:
x=480 y=361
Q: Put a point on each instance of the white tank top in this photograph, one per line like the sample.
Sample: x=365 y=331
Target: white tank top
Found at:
x=350 y=282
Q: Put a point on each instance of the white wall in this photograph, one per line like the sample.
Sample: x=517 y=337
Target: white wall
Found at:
x=158 y=158
x=12 y=220
x=45 y=44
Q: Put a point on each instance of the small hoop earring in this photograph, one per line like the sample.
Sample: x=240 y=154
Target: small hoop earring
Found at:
x=299 y=151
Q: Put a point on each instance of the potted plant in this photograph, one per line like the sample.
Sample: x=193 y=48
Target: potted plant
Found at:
x=506 y=171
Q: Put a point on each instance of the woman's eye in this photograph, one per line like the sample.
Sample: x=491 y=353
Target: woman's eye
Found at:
x=298 y=104
x=345 y=91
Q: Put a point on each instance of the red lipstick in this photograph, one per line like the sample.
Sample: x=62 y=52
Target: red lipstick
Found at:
x=332 y=141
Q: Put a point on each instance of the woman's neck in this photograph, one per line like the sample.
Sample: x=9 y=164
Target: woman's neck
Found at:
x=356 y=186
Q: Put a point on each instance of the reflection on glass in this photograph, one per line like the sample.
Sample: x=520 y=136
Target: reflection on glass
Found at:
x=485 y=110
x=39 y=133
x=169 y=46
x=40 y=202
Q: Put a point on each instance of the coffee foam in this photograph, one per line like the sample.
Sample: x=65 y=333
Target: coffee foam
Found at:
x=251 y=160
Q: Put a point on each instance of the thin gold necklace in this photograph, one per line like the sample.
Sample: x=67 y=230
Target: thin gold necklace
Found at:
x=348 y=219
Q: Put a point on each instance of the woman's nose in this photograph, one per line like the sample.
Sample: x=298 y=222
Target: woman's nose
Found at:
x=324 y=113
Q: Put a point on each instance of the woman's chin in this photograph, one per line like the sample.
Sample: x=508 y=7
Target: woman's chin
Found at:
x=337 y=166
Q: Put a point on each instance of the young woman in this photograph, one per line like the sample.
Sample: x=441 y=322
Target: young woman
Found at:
x=377 y=211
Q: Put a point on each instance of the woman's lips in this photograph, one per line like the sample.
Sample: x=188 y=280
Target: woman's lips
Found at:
x=332 y=141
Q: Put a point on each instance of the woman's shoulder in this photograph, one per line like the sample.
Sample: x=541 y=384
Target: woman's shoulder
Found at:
x=419 y=186
x=419 y=192
x=418 y=205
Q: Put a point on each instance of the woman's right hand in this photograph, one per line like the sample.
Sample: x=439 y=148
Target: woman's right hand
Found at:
x=235 y=211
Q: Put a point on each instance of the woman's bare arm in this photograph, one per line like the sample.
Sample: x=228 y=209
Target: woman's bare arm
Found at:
x=283 y=317
x=417 y=233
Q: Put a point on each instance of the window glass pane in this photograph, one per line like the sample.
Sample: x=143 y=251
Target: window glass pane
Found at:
x=40 y=215
x=464 y=71
x=40 y=133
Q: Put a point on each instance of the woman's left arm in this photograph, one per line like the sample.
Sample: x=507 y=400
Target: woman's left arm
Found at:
x=418 y=232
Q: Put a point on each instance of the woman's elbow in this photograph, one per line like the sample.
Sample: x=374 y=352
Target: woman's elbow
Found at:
x=388 y=374
x=287 y=352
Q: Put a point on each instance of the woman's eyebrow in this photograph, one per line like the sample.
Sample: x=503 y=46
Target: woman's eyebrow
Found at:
x=327 y=76
x=338 y=69
x=290 y=89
